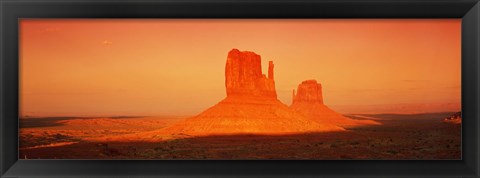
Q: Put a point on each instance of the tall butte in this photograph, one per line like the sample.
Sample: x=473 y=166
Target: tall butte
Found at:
x=251 y=104
x=308 y=100
x=244 y=78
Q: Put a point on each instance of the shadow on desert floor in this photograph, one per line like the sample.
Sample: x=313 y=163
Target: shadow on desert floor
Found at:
x=397 y=138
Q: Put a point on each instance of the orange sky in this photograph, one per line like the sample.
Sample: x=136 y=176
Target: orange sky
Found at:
x=176 y=67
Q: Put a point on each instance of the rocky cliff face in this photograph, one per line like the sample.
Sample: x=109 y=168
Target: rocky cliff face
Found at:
x=244 y=78
x=308 y=100
x=308 y=91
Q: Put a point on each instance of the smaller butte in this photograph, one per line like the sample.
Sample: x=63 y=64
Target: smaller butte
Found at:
x=308 y=100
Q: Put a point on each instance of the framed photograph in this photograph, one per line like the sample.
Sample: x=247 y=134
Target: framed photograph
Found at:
x=239 y=88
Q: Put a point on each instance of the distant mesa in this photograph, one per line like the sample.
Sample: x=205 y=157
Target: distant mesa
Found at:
x=308 y=100
x=454 y=119
x=251 y=105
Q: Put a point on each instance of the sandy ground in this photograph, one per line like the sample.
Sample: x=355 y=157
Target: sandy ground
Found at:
x=419 y=136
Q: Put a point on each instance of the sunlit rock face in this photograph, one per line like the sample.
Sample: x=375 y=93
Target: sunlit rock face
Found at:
x=243 y=76
x=308 y=100
x=251 y=105
x=308 y=91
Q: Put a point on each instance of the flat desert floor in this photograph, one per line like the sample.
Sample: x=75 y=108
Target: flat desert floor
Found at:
x=400 y=137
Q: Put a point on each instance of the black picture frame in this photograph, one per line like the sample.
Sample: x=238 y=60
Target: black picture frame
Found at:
x=12 y=10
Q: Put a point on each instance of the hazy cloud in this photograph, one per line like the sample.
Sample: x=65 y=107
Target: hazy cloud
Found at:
x=107 y=42
x=51 y=29
x=415 y=81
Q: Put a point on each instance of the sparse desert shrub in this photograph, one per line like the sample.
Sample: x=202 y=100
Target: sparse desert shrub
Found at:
x=345 y=157
x=355 y=143
x=392 y=152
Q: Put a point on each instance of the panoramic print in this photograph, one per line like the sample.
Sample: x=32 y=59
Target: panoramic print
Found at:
x=233 y=89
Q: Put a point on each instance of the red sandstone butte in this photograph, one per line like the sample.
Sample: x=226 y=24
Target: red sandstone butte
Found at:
x=308 y=100
x=243 y=76
x=251 y=105
x=308 y=91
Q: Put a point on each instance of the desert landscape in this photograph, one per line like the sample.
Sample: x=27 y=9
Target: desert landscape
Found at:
x=249 y=123
x=240 y=89
x=400 y=137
